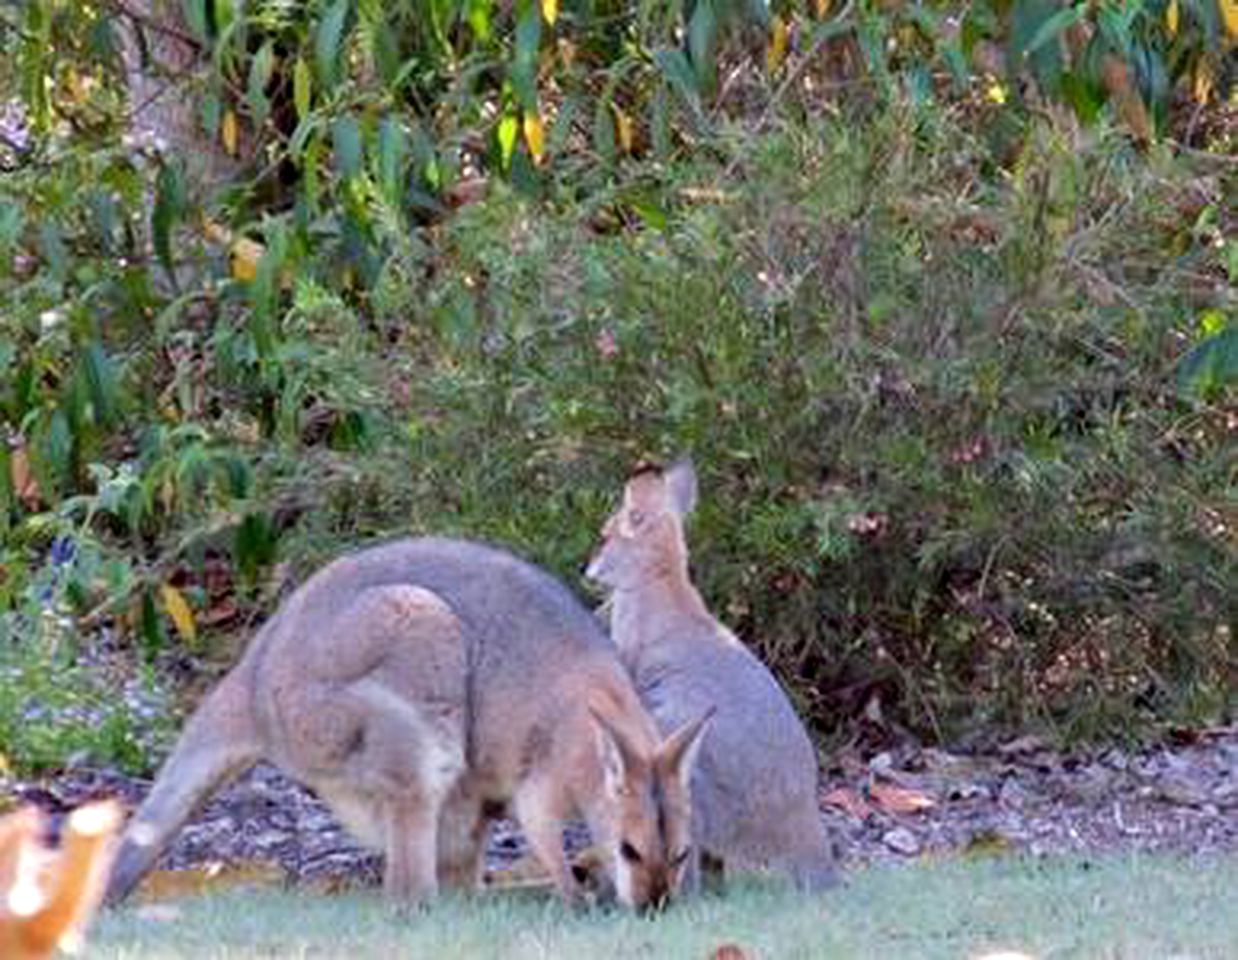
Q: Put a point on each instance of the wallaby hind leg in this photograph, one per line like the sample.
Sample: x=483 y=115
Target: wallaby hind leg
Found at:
x=218 y=744
x=395 y=732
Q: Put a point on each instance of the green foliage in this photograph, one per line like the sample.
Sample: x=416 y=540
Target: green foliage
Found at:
x=958 y=374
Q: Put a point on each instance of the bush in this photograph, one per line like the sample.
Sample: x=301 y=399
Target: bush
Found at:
x=957 y=371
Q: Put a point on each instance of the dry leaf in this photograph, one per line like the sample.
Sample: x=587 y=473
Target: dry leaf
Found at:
x=535 y=135
x=178 y=609
x=173 y=884
x=779 y=36
x=894 y=799
x=230 y=133
x=624 y=129
x=245 y=256
x=848 y=800
x=729 y=951
x=24 y=483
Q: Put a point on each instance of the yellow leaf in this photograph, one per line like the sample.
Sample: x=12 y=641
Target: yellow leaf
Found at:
x=1171 y=18
x=245 y=256
x=550 y=10
x=178 y=609
x=534 y=135
x=230 y=133
x=823 y=7
x=1203 y=80
x=162 y=885
x=624 y=132
x=996 y=93
x=1229 y=13
x=776 y=52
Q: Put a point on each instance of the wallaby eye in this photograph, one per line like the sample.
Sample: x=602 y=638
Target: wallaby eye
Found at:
x=628 y=852
x=680 y=858
x=636 y=518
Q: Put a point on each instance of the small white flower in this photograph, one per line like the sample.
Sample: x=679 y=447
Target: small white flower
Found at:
x=50 y=319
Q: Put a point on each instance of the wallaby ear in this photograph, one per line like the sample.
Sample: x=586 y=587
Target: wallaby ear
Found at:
x=618 y=757
x=682 y=487
x=679 y=751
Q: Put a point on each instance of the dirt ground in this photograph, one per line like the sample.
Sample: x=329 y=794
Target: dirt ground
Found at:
x=892 y=805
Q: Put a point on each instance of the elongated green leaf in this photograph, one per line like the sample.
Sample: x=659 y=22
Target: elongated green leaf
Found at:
x=703 y=42
x=328 y=42
x=254 y=544
x=102 y=385
x=264 y=293
x=509 y=129
x=195 y=17
x=260 y=69
x=392 y=151
x=51 y=245
x=346 y=139
x=1054 y=26
x=169 y=209
x=678 y=73
x=302 y=88
x=523 y=71
x=12 y=222
x=479 y=17
x=604 y=132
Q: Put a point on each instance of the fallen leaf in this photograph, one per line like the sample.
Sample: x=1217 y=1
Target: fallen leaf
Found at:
x=245 y=256
x=24 y=483
x=211 y=878
x=894 y=799
x=729 y=951
x=178 y=609
x=988 y=843
x=1027 y=744
x=848 y=800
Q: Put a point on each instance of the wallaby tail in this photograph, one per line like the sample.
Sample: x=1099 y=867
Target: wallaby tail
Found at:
x=219 y=742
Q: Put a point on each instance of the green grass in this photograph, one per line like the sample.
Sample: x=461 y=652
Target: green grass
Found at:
x=1121 y=907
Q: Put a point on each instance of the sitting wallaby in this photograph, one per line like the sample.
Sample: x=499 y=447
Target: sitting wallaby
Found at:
x=754 y=789
x=422 y=687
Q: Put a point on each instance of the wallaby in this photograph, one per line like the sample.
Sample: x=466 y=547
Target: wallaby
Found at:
x=422 y=687
x=754 y=789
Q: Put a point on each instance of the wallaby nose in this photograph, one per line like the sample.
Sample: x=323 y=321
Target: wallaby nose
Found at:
x=659 y=899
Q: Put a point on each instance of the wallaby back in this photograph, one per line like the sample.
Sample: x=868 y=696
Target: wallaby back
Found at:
x=420 y=687
x=754 y=787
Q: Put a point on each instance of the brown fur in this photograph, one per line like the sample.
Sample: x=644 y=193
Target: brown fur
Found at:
x=754 y=787
x=420 y=687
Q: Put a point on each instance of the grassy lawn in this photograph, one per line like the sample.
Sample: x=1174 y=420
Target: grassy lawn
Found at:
x=1122 y=907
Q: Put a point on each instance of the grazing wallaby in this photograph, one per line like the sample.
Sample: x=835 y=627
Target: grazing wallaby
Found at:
x=422 y=687
x=754 y=789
